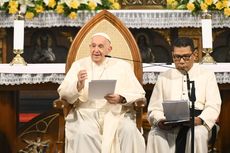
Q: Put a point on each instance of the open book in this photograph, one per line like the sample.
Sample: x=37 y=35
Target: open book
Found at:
x=176 y=111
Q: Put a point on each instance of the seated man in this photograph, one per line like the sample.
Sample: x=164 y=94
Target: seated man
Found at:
x=102 y=125
x=172 y=85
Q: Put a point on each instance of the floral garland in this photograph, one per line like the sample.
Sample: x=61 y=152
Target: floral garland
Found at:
x=201 y=5
x=69 y=8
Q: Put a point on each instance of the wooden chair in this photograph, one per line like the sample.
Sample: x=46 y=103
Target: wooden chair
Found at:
x=41 y=134
x=213 y=139
x=124 y=46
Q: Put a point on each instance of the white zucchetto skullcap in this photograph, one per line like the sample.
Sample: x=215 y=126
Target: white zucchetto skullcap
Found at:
x=103 y=35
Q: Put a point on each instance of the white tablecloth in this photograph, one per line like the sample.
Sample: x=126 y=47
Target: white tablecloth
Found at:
x=151 y=71
x=31 y=74
x=131 y=18
x=55 y=73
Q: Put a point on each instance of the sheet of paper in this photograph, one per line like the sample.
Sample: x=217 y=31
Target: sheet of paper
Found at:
x=99 y=88
x=176 y=111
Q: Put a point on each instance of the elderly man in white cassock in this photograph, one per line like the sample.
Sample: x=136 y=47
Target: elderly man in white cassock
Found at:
x=102 y=125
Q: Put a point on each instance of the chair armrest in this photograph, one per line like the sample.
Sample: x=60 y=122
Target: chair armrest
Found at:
x=139 y=104
x=59 y=103
x=62 y=104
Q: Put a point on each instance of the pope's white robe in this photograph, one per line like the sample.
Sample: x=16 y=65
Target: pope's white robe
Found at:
x=96 y=126
x=172 y=85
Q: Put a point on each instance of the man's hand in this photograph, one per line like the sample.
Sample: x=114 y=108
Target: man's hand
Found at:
x=82 y=76
x=161 y=124
x=198 y=121
x=113 y=98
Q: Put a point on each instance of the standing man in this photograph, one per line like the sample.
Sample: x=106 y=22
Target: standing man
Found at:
x=172 y=85
x=102 y=125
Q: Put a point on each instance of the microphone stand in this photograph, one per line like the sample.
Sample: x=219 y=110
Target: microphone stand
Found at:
x=122 y=58
x=192 y=98
x=151 y=64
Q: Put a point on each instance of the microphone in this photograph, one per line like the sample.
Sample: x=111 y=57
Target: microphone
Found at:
x=191 y=91
x=188 y=85
x=122 y=58
x=151 y=64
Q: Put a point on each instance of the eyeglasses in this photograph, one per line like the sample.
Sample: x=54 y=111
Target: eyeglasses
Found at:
x=186 y=57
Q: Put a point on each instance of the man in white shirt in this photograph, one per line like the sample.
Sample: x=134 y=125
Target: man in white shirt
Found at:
x=102 y=125
x=172 y=85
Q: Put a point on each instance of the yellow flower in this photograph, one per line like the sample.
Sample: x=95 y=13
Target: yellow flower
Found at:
x=203 y=6
x=219 y=5
x=208 y=2
x=13 y=7
x=29 y=15
x=52 y=3
x=174 y=4
x=13 y=4
x=92 y=5
x=74 y=4
x=31 y=8
x=39 y=9
x=169 y=2
x=190 y=6
x=225 y=3
x=227 y=11
x=60 y=9
x=13 y=10
x=116 y=6
x=72 y=15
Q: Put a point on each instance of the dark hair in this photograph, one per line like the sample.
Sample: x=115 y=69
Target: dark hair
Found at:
x=183 y=42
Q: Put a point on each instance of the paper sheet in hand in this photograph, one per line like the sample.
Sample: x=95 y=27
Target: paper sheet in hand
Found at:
x=176 y=111
x=99 y=88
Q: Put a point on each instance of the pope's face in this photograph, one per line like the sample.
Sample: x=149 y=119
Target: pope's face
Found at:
x=99 y=47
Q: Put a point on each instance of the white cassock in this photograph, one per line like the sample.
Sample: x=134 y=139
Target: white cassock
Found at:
x=172 y=85
x=96 y=126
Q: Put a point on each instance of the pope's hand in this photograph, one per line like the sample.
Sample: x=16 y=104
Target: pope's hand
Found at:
x=82 y=76
x=113 y=98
